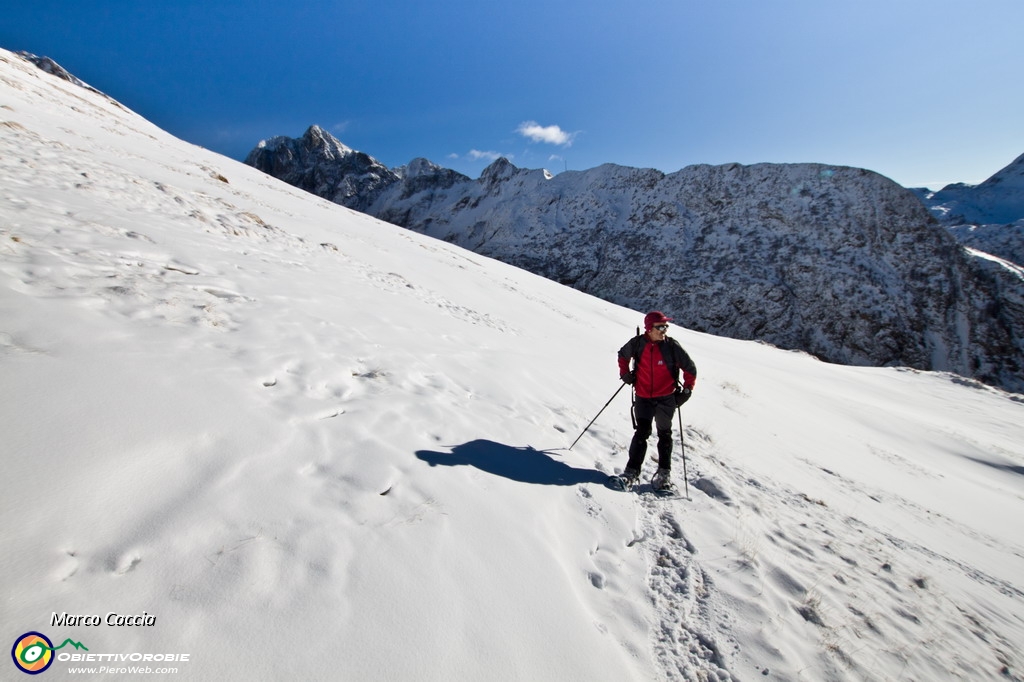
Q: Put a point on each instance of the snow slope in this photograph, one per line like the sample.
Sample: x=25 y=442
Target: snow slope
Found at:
x=317 y=446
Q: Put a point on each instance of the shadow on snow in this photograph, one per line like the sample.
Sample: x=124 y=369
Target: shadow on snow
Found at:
x=523 y=464
x=1001 y=466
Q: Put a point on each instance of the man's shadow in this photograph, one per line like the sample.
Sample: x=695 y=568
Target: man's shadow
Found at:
x=524 y=464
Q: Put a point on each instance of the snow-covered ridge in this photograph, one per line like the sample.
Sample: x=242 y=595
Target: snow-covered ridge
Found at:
x=988 y=217
x=315 y=446
x=997 y=201
x=838 y=262
x=53 y=68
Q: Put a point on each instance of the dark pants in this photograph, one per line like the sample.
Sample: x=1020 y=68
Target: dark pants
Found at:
x=660 y=412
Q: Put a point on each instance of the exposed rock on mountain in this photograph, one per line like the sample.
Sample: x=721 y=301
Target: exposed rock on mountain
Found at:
x=317 y=162
x=838 y=262
x=53 y=68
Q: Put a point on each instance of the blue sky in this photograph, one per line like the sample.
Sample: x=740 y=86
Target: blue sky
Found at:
x=926 y=92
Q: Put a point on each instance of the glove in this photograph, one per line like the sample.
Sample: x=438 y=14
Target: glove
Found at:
x=629 y=378
x=682 y=396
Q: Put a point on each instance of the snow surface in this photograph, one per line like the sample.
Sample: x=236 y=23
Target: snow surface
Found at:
x=316 y=446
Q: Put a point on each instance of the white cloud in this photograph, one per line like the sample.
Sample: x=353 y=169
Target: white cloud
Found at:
x=476 y=155
x=549 y=134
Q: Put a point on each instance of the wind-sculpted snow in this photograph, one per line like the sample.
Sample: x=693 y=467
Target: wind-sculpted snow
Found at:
x=839 y=262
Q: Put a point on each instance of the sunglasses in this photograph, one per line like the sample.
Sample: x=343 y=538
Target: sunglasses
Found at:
x=661 y=327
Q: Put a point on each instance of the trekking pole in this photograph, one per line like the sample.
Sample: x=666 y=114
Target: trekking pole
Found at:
x=597 y=415
x=682 y=445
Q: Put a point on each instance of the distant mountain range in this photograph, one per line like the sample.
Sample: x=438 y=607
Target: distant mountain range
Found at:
x=838 y=262
x=997 y=201
x=988 y=217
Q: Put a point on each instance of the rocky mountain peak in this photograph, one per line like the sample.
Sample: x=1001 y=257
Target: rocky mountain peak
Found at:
x=319 y=163
x=500 y=168
x=317 y=139
x=999 y=200
x=1011 y=176
x=417 y=168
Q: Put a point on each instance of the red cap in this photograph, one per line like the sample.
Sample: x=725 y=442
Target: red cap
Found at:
x=655 y=317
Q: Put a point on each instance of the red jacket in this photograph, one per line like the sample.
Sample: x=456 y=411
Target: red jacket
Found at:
x=654 y=376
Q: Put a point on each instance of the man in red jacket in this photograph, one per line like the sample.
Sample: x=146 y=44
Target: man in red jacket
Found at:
x=663 y=376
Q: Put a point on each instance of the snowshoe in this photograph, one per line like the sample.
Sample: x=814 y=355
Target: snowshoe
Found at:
x=662 y=483
x=624 y=481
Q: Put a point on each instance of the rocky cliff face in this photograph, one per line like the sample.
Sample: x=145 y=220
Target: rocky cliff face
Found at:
x=320 y=164
x=838 y=262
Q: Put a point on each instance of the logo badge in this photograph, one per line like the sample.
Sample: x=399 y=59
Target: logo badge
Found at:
x=32 y=653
